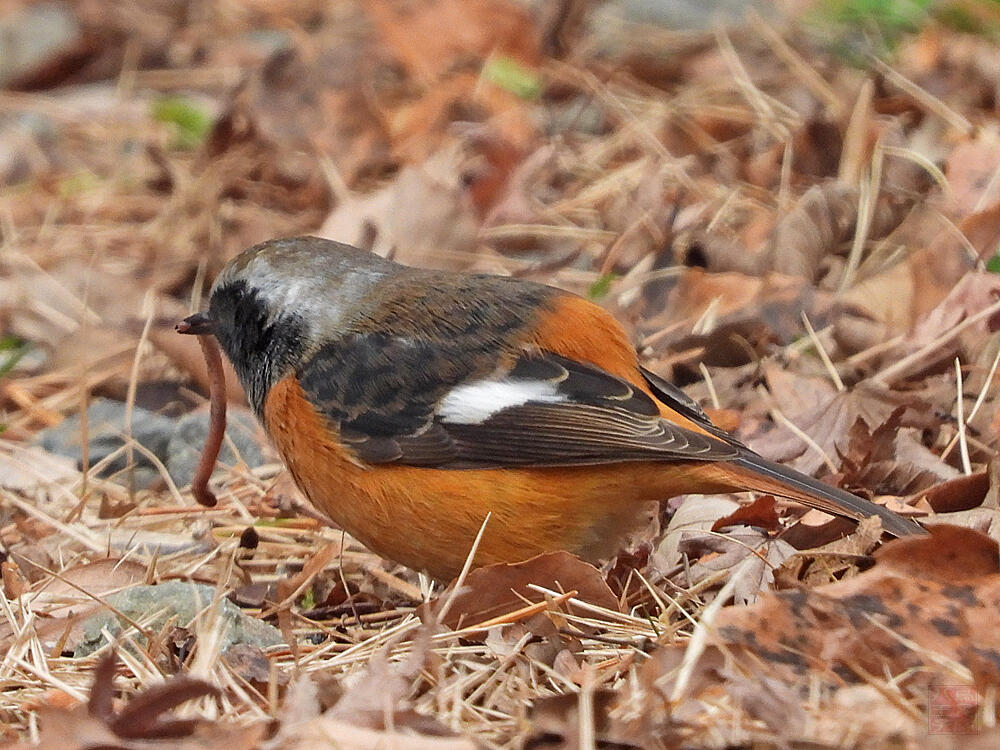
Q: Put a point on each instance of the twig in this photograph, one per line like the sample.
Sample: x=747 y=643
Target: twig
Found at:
x=976 y=406
x=709 y=384
x=930 y=102
x=699 y=639
x=960 y=414
x=778 y=416
x=902 y=366
x=465 y=569
x=868 y=191
x=821 y=350
x=798 y=65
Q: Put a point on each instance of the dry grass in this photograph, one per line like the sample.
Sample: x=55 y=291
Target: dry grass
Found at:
x=116 y=231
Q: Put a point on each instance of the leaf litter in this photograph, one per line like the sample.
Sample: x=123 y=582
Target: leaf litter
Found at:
x=805 y=244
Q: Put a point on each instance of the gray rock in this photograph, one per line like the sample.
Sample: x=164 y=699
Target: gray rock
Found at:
x=153 y=606
x=106 y=434
x=582 y=114
x=32 y=35
x=683 y=14
x=176 y=443
x=27 y=141
x=620 y=26
x=184 y=448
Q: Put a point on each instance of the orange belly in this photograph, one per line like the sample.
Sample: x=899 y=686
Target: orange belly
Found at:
x=428 y=518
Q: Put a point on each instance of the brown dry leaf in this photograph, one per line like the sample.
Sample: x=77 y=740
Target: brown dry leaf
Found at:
x=496 y=590
x=982 y=230
x=14 y=583
x=875 y=308
x=814 y=406
x=696 y=515
x=815 y=529
x=555 y=723
x=926 y=599
x=380 y=701
x=972 y=294
x=420 y=128
x=432 y=37
x=292 y=587
x=98 y=578
x=61 y=605
x=750 y=555
x=893 y=300
x=819 y=222
x=728 y=293
x=961 y=493
x=844 y=556
x=970 y=169
x=734 y=309
x=887 y=461
x=760 y=513
x=28 y=469
x=437 y=41
x=326 y=732
x=142 y=722
x=985 y=516
x=385 y=222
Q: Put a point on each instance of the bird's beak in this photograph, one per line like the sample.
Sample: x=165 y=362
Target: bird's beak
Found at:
x=198 y=324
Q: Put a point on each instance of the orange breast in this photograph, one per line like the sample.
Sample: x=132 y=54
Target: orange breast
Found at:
x=428 y=518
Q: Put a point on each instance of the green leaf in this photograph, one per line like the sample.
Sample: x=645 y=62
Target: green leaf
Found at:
x=11 y=350
x=857 y=29
x=308 y=599
x=602 y=286
x=78 y=183
x=993 y=264
x=191 y=124
x=512 y=76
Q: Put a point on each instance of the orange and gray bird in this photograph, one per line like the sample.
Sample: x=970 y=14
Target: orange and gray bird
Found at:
x=409 y=404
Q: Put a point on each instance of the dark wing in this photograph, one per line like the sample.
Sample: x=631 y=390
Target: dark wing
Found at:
x=397 y=400
x=683 y=404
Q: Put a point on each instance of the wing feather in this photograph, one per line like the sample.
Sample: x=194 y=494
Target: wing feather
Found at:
x=394 y=414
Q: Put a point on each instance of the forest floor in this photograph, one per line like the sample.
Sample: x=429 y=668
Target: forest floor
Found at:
x=796 y=216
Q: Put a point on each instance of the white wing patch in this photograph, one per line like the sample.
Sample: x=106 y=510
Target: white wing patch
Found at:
x=474 y=403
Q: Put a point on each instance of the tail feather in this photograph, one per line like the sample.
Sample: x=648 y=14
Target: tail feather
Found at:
x=787 y=482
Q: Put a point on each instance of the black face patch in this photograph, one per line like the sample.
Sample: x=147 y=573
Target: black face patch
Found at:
x=261 y=352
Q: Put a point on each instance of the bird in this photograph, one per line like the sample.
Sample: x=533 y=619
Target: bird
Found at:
x=417 y=408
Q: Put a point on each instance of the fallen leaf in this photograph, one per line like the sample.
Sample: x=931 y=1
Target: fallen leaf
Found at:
x=760 y=513
x=556 y=723
x=26 y=469
x=495 y=590
x=63 y=603
x=816 y=225
x=874 y=459
x=697 y=513
x=430 y=36
x=926 y=599
x=972 y=294
x=970 y=169
x=319 y=733
x=749 y=555
x=144 y=718
x=384 y=222
x=826 y=415
x=961 y=493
